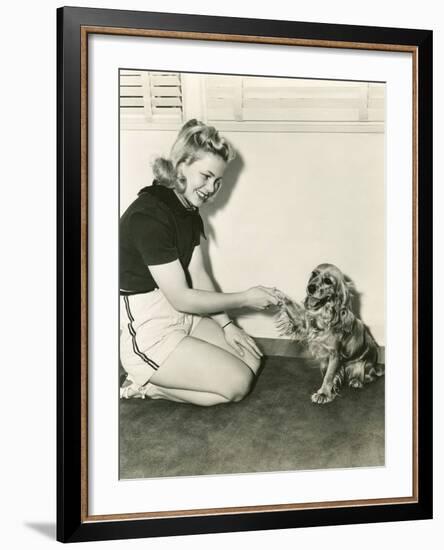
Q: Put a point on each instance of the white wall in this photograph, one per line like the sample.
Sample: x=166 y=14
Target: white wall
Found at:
x=28 y=403
x=290 y=201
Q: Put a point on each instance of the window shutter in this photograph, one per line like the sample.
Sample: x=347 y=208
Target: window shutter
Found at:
x=161 y=100
x=376 y=102
x=224 y=97
x=236 y=98
x=166 y=96
x=151 y=96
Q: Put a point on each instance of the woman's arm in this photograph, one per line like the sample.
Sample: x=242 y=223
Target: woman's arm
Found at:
x=171 y=280
x=202 y=281
x=236 y=337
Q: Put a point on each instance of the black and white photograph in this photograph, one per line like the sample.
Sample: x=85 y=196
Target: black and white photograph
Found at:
x=252 y=274
x=244 y=274
x=222 y=266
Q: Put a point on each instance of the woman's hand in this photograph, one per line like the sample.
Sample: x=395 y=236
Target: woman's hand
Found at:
x=240 y=341
x=260 y=297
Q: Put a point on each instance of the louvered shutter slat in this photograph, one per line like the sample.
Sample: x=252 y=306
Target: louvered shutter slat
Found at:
x=299 y=93
x=302 y=103
x=221 y=102
x=131 y=91
x=166 y=96
x=131 y=102
x=153 y=96
x=292 y=100
x=131 y=80
x=167 y=102
x=169 y=115
x=305 y=115
x=376 y=102
x=167 y=91
x=221 y=92
x=224 y=98
x=165 y=80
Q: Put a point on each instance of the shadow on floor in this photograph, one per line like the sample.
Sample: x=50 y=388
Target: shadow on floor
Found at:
x=275 y=428
x=48 y=530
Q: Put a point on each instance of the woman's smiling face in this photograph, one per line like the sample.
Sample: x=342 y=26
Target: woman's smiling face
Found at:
x=203 y=178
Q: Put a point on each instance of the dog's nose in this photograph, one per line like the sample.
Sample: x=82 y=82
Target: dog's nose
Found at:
x=311 y=289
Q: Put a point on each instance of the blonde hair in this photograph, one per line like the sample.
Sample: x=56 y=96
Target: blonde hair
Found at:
x=194 y=138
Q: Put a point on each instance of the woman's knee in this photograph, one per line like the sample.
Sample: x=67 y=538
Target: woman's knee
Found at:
x=253 y=362
x=238 y=385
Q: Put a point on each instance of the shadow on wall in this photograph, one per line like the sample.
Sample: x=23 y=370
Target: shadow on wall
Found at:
x=355 y=297
x=356 y=301
x=231 y=177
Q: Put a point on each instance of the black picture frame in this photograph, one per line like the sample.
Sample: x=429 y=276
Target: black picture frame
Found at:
x=73 y=522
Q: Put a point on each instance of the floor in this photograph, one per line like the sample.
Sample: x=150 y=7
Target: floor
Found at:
x=275 y=428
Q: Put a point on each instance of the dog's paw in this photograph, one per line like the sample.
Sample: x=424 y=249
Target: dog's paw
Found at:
x=321 y=398
x=373 y=373
x=379 y=370
x=290 y=325
x=355 y=383
x=338 y=381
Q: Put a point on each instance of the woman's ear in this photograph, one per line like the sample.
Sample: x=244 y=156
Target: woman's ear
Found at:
x=180 y=175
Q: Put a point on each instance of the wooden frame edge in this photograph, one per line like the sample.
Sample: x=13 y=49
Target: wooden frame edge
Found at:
x=85 y=31
x=415 y=243
x=84 y=273
x=201 y=512
x=219 y=37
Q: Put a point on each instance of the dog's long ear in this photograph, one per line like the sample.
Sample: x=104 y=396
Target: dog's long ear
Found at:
x=347 y=320
x=345 y=292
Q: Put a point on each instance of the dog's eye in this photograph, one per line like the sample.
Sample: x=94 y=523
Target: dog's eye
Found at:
x=328 y=281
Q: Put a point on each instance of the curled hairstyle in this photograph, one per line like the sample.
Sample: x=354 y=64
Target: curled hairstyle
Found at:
x=194 y=138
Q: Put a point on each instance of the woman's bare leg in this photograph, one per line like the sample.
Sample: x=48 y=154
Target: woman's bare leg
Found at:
x=209 y=331
x=204 y=399
x=201 y=373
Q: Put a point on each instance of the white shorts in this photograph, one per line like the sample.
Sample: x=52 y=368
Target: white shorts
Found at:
x=150 y=329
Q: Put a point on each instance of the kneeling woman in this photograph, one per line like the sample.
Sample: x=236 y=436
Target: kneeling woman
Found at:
x=177 y=342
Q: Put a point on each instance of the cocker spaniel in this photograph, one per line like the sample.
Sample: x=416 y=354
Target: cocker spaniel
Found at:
x=325 y=322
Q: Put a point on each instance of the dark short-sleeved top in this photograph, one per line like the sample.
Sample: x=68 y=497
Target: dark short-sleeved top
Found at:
x=155 y=229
